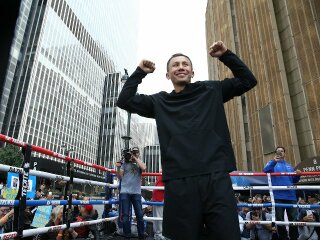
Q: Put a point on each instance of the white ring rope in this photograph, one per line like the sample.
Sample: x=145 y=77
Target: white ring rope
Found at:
x=8 y=168
x=32 y=232
x=314 y=224
x=274 y=187
x=273 y=209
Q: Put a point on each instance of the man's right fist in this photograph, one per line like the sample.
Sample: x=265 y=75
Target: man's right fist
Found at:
x=147 y=66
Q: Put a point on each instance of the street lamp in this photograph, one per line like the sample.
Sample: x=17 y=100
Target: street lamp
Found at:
x=126 y=138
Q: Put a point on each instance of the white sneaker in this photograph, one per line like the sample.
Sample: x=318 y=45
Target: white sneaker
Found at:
x=159 y=237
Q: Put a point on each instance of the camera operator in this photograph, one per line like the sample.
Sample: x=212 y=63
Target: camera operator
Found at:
x=129 y=171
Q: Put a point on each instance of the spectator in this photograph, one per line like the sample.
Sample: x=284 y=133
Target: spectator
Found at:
x=49 y=196
x=80 y=195
x=5 y=217
x=158 y=196
x=259 y=231
x=38 y=194
x=301 y=201
x=85 y=212
x=257 y=199
x=56 y=219
x=309 y=232
x=129 y=171
x=1 y=187
x=279 y=164
x=93 y=214
x=245 y=232
x=43 y=187
x=75 y=208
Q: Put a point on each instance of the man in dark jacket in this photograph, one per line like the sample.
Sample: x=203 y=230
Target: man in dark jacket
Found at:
x=195 y=143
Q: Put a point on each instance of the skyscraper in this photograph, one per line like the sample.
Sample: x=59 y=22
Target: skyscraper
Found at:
x=280 y=42
x=63 y=55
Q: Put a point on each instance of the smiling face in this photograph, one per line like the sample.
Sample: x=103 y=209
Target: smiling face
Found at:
x=179 y=70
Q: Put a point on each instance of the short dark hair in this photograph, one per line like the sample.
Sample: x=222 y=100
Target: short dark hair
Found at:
x=280 y=147
x=177 y=55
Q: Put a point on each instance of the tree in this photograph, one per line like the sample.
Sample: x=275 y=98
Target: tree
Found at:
x=10 y=155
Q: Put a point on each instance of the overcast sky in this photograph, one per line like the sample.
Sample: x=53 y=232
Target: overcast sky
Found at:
x=167 y=27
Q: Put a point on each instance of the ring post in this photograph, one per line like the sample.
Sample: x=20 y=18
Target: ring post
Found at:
x=19 y=210
x=66 y=190
x=273 y=211
x=69 y=217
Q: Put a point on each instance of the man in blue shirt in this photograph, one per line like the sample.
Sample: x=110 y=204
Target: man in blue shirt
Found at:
x=279 y=164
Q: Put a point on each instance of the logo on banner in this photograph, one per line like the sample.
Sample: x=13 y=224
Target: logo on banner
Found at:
x=29 y=183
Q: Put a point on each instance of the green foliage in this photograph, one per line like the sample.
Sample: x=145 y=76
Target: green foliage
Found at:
x=10 y=155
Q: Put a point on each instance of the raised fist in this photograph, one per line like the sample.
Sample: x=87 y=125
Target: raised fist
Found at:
x=147 y=66
x=217 y=49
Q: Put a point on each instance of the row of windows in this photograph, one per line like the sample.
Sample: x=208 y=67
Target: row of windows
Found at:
x=76 y=27
x=53 y=106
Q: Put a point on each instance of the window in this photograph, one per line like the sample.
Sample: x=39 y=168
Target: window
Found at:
x=267 y=129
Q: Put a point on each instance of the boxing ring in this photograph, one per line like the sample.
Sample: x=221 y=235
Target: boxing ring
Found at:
x=20 y=203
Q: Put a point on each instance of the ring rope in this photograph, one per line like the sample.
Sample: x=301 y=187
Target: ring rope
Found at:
x=36 y=231
x=273 y=209
x=32 y=232
x=37 y=173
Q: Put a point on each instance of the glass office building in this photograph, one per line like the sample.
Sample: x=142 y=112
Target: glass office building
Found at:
x=65 y=72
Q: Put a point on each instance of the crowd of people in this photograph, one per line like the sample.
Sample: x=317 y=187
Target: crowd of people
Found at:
x=251 y=231
x=80 y=213
x=129 y=223
x=129 y=172
x=248 y=231
x=288 y=196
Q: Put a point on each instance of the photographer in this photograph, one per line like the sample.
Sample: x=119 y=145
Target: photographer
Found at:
x=259 y=231
x=279 y=164
x=308 y=215
x=129 y=171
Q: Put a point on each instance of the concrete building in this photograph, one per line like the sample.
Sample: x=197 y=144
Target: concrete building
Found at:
x=280 y=41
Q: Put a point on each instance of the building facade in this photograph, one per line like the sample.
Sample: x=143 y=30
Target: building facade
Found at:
x=280 y=41
x=64 y=75
x=152 y=158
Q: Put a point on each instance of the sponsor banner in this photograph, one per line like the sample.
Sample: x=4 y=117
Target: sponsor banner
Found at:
x=42 y=216
x=13 y=185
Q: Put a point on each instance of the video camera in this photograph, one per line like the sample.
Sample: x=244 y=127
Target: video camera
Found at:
x=127 y=153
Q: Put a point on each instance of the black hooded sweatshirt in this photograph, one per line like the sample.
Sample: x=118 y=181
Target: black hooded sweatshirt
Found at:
x=192 y=127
